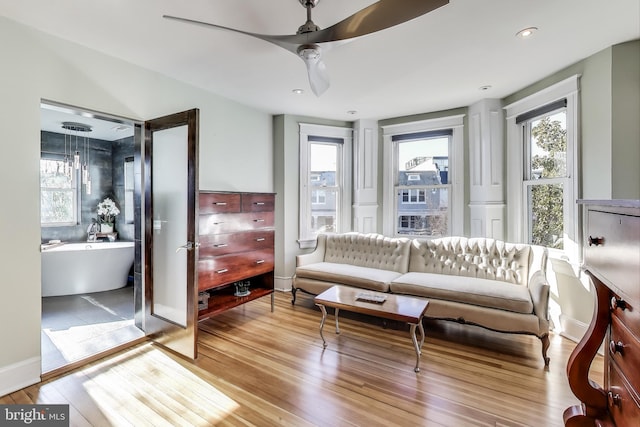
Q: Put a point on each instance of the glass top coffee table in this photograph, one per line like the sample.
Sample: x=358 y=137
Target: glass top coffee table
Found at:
x=401 y=308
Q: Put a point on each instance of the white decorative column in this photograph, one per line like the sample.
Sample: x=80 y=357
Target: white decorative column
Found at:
x=365 y=176
x=486 y=169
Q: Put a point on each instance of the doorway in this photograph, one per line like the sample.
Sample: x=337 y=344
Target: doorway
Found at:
x=91 y=216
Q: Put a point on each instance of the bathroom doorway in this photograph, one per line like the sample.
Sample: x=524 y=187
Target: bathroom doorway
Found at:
x=91 y=212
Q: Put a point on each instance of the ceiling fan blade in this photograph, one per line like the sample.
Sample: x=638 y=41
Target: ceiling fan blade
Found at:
x=379 y=16
x=317 y=70
x=289 y=43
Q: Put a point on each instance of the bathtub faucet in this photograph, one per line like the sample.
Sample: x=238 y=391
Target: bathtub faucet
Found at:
x=92 y=231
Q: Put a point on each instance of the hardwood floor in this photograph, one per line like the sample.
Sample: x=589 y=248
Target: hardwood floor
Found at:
x=266 y=369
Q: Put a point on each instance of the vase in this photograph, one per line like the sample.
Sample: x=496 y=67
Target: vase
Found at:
x=106 y=228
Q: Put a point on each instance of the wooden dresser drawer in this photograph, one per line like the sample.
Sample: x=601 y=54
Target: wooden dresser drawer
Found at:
x=219 y=203
x=630 y=315
x=258 y=202
x=613 y=250
x=624 y=349
x=230 y=223
x=623 y=406
x=223 y=270
x=228 y=243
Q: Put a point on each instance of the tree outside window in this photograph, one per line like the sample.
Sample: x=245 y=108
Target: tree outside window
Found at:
x=546 y=180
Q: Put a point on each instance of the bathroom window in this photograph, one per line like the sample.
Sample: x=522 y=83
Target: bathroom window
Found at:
x=128 y=190
x=58 y=193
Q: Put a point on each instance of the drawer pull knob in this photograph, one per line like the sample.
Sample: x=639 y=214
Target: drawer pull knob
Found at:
x=259 y=203
x=616 y=347
x=218 y=223
x=260 y=261
x=618 y=303
x=596 y=241
x=614 y=399
x=260 y=239
x=220 y=245
x=220 y=203
x=224 y=270
x=258 y=220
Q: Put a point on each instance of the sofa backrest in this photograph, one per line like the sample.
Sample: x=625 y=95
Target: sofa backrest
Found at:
x=368 y=250
x=475 y=257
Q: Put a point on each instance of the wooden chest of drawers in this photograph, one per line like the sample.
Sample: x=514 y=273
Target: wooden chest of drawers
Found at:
x=236 y=237
x=612 y=261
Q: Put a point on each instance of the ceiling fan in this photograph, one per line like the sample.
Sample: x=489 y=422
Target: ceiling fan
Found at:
x=310 y=41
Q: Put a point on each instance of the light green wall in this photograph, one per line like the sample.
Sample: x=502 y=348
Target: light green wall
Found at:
x=625 y=117
x=36 y=66
x=609 y=125
x=286 y=177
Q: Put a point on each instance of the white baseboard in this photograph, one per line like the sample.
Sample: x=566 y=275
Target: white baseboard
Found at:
x=283 y=283
x=574 y=330
x=19 y=375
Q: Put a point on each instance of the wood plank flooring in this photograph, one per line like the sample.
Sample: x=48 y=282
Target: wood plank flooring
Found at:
x=257 y=368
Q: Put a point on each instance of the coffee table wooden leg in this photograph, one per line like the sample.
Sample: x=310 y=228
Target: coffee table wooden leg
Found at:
x=324 y=317
x=337 y=324
x=417 y=346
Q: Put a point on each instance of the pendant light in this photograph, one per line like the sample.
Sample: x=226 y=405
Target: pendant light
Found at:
x=76 y=128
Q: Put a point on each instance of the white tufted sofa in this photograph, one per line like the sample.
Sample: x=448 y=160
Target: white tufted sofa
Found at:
x=497 y=285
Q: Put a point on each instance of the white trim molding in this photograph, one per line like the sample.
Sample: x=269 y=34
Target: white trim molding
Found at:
x=344 y=180
x=365 y=176
x=20 y=375
x=569 y=89
x=456 y=123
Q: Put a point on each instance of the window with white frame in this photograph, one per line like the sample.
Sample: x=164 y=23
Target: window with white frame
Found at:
x=542 y=152
x=58 y=193
x=422 y=196
x=325 y=189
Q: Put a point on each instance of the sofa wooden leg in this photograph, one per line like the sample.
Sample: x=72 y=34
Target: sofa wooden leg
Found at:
x=293 y=293
x=545 y=347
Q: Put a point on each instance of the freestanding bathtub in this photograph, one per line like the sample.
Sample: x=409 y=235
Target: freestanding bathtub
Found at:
x=78 y=268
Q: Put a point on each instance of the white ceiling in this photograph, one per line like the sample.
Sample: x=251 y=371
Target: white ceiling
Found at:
x=434 y=62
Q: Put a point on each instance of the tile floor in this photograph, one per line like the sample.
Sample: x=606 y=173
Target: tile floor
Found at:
x=77 y=326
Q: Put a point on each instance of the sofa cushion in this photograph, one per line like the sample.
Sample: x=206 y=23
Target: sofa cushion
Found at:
x=368 y=250
x=471 y=257
x=352 y=275
x=468 y=290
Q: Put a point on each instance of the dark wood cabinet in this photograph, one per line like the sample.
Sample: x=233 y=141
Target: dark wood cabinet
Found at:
x=236 y=237
x=612 y=261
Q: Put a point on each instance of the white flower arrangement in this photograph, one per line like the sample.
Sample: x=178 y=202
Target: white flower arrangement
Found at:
x=107 y=211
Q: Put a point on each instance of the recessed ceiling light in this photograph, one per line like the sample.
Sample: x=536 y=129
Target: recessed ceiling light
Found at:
x=526 y=32
x=352 y=112
x=298 y=91
x=485 y=87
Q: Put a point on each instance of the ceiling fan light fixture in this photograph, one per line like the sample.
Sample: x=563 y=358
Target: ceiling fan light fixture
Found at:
x=309 y=52
x=526 y=32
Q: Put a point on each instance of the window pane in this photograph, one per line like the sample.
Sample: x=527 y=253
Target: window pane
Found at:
x=323 y=174
x=324 y=212
x=423 y=162
x=57 y=192
x=56 y=206
x=546 y=210
x=548 y=147
x=426 y=216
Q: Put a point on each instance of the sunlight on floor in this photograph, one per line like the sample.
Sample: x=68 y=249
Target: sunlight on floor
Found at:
x=79 y=341
x=146 y=386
